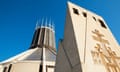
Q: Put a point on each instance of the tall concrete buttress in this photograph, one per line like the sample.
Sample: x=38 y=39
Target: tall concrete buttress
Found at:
x=88 y=44
x=40 y=57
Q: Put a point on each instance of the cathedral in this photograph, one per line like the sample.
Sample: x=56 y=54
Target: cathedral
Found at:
x=87 y=46
x=41 y=55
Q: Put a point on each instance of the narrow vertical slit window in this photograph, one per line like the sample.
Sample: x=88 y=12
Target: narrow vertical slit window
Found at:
x=47 y=37
x=75 y=11
x=37 y=37
x=5 y=69
x=41 y=68
x=10 y=66
x=42 y=37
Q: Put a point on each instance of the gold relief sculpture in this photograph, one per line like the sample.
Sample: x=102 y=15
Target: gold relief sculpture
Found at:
x=96 y=57
x=99 y=37
x=103 y=54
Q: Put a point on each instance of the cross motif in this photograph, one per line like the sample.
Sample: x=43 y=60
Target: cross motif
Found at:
x=99 y=36
x=105 y=55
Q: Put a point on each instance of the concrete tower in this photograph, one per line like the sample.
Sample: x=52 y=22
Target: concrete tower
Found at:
x=88 y=44
x=41 y=55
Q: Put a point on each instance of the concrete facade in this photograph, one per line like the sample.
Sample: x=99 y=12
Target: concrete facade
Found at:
x=88 y=44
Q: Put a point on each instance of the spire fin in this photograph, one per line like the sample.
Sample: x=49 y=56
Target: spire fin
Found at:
x=53 y=26
x=36 y=25
x=46 y=23
x=49 y=23
x=42 y=22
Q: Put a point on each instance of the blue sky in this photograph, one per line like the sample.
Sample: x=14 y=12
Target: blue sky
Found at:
x=18 y=19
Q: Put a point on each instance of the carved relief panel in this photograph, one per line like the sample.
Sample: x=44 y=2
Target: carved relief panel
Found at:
x=103 y=54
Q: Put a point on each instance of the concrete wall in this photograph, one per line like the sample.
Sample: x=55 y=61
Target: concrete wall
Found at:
x=88 y=43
